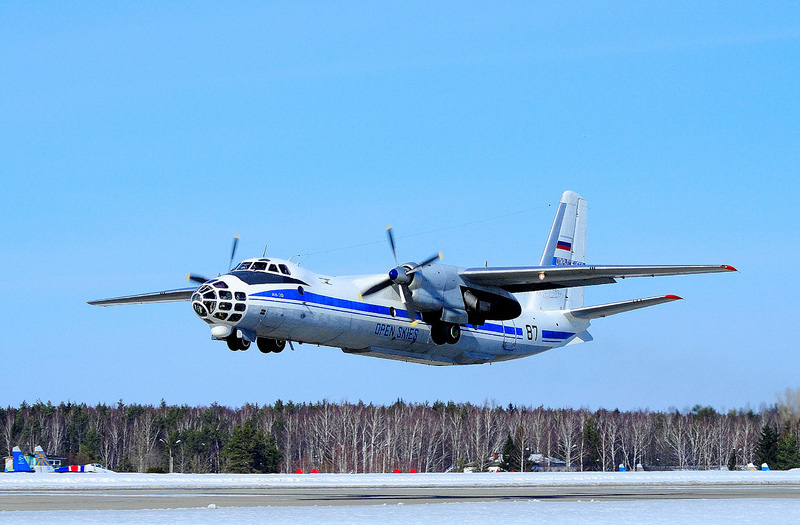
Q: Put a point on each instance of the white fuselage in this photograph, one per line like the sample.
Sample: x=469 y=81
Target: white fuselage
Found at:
x=299 y=305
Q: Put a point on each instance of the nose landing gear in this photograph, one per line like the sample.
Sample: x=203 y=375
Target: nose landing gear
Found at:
x=234 y=343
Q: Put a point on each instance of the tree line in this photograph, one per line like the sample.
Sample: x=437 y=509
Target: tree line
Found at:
x=437 y=437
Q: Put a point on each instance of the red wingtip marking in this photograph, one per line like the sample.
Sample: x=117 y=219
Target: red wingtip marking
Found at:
x=673 y=297
x=729 y=268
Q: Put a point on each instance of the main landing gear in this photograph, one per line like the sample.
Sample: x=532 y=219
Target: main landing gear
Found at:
x=445 y=333
x=266 y=346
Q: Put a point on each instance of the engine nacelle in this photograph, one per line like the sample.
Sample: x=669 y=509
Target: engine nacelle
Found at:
x=489 y=305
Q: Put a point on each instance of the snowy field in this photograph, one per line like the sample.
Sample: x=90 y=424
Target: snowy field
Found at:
x=657 y=511
x=760 y=510
x=236 y=481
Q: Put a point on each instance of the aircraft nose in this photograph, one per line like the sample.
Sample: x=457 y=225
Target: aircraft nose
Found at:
x=218 y=302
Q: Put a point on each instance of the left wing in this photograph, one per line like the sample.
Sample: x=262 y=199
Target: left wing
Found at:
x=167 y=296
x=535 y=278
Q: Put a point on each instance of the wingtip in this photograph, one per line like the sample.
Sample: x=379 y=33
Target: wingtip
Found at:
x=673 y=297
x=728 y=267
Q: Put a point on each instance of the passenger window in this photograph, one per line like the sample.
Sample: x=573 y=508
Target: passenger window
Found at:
x=226 y=295
x=259 y=266
x=240 y=296
x=273 y=268
x=285 y=270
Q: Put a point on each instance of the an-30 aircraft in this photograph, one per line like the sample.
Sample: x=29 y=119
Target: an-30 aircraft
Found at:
x=423 y=312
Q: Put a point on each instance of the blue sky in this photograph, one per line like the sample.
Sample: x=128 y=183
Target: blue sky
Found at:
x=138 y=138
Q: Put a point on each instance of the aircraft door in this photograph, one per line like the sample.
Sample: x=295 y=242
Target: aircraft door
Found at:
x=509 y=335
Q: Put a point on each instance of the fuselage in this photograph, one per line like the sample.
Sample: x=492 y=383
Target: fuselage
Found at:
x=279 y=300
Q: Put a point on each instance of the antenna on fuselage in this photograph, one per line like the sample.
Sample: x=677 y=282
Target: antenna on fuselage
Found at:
x=265 y=251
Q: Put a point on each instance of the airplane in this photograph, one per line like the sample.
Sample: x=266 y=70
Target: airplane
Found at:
x=419 y=312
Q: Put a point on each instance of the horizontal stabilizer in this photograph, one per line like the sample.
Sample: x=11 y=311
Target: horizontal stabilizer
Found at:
x=167 y=296
x=604 y=310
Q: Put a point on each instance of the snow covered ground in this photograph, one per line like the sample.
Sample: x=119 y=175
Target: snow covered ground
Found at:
x=535 y=511
x=655 y=511
x=233 y=481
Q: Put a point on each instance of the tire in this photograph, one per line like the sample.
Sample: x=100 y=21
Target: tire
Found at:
x=453 y=334
x=439 y=333
x=266 y=346
x=233 y=342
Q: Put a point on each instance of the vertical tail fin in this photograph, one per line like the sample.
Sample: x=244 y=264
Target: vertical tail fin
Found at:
x=565 y=246
x=20 y=461
x=41 y=463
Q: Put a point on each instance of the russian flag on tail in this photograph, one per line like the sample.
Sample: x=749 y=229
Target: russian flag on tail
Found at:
x=564 y=245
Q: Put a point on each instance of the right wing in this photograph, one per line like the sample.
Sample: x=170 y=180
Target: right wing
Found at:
x=167 y=296
x=535 y=278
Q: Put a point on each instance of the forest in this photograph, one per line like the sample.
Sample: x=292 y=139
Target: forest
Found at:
x=426 y=437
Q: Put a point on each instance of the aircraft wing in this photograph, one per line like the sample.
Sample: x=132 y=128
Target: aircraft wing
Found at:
x=167 y=296
x=535 y=278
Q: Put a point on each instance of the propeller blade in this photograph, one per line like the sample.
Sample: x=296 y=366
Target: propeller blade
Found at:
x=233 y=250
x=391 y=243
x=426 y=262
x=196 y=278
x=377 y=288
x=406 y=297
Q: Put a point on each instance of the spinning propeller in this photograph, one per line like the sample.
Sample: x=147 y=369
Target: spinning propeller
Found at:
x=402 y=276
x=200 y=279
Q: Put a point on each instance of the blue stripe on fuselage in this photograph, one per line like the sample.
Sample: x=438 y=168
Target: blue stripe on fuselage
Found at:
x=292 y=294
x=559 y=336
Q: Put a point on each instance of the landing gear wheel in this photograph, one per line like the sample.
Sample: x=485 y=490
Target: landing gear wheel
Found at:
x=234 y=343
x=270 y=345
x=439 y=333
x=453 y=334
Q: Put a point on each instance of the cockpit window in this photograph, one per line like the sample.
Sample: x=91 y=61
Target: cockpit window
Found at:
x=243 y=266
x=285 y=270
x=220 y=284
x=259 y=266
x=241 y=296
x=225 y=295
x=273 y=268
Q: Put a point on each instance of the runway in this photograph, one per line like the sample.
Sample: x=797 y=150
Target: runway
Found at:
x=126 y=498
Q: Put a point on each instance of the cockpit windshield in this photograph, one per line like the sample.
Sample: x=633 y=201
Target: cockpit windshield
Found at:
x=263 y=265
